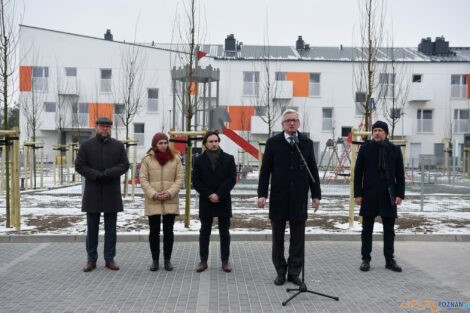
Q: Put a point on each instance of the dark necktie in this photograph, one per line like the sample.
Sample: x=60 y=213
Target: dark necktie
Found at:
x=291 y=140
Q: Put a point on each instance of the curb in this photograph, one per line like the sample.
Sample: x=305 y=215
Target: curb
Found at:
x=235 y=237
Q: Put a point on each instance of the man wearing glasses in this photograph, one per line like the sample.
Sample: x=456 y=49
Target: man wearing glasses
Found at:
x=288 y=201
x=102 y=160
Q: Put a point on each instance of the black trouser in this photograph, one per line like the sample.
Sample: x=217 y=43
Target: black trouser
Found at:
x=93 y=226
x=294 y=263
x=168 y=236
x=205 y=233
x=366 y=236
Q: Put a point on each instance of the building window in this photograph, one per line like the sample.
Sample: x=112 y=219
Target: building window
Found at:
x=139 y=133
x=327 y=119
x=71 y=71
x=119 y=110
x=314 y=86
x=461 y=121
x=424 y=121
x=40 y=78
x=250 y=83
x=106 y=74
x=261 y=110
x=49 y=107
x=345 y=131
x=152 y=100
x=359 y=109
x=458 y=86
x=386 y=82
x=417 y=78
x=80 y=114
x=280 y=76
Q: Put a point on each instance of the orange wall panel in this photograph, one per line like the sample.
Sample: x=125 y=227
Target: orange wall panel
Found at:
x=96 y=110
x=26 y=73
x=468 y=86
x=240 y=116
x=300 y=83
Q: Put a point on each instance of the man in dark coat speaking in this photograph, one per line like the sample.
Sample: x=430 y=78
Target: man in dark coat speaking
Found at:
x=379 y=186
x=288 y=201
x=102 y=160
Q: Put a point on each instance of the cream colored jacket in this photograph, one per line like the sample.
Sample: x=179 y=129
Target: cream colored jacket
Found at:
x=156 y=178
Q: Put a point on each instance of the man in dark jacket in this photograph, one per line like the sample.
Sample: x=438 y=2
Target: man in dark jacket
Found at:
x=214 y=176
x=379 y=186
x=288 y=201
x=101 y=160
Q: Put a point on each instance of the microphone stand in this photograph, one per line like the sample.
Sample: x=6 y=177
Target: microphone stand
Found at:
x=303 y=287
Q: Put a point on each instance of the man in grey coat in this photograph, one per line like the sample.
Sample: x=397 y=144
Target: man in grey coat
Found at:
x=102 y=160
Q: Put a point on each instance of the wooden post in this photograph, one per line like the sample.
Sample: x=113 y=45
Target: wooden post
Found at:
x=42 y=164
x=189 y=156
x=55 y=169
x=25 y=165
x=2 y=184
x=32 y=174
x=126 y=188
x=354 y=150
x=467 y=161
x=15 y=184
x=134 y=168
x=351 y=181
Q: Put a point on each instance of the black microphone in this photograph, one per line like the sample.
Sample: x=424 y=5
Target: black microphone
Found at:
x=295 y=138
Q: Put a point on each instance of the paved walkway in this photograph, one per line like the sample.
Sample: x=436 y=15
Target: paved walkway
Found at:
x=47 y=277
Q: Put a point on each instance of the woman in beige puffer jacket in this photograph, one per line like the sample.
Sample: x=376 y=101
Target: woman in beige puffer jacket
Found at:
x=161 y=178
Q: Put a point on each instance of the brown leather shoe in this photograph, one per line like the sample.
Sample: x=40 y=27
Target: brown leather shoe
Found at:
x=112 y=265
x=90 y=265
x=201 y=267
x=226 y=266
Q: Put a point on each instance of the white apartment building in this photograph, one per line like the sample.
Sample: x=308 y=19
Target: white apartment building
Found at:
x=71 y=79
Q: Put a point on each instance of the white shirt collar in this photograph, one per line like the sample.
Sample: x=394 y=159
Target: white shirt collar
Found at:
x=286 y=135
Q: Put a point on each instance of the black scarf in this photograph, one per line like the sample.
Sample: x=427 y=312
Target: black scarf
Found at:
x=384 y=148
x=213 y=157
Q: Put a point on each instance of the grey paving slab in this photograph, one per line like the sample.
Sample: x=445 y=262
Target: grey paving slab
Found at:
x=47 y=277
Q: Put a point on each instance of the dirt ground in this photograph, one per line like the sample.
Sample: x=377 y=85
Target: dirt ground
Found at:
x=55 y=223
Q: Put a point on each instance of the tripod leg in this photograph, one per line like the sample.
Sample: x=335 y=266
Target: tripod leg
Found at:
x=323 y=295
x=293 y=296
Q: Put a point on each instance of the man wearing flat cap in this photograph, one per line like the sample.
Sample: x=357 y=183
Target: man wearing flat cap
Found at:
x=379 y=186
x=102 y=160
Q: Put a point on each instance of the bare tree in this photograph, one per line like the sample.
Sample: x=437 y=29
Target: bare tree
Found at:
x=371 y=38
x=305 y=120
x=9 y=21
x=268 y=99
x=66 y=102
x=32 y=104
x=270 y=87
x=394 y=88
x=188 y=37
x=9 y=35
x=131 y=91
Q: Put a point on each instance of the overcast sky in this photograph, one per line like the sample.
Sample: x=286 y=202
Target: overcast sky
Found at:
x=320 y=22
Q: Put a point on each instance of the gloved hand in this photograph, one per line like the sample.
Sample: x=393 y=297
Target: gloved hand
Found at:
x=101 y=176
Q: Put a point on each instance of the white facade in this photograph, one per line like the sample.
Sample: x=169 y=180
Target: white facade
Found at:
x=432 y=111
